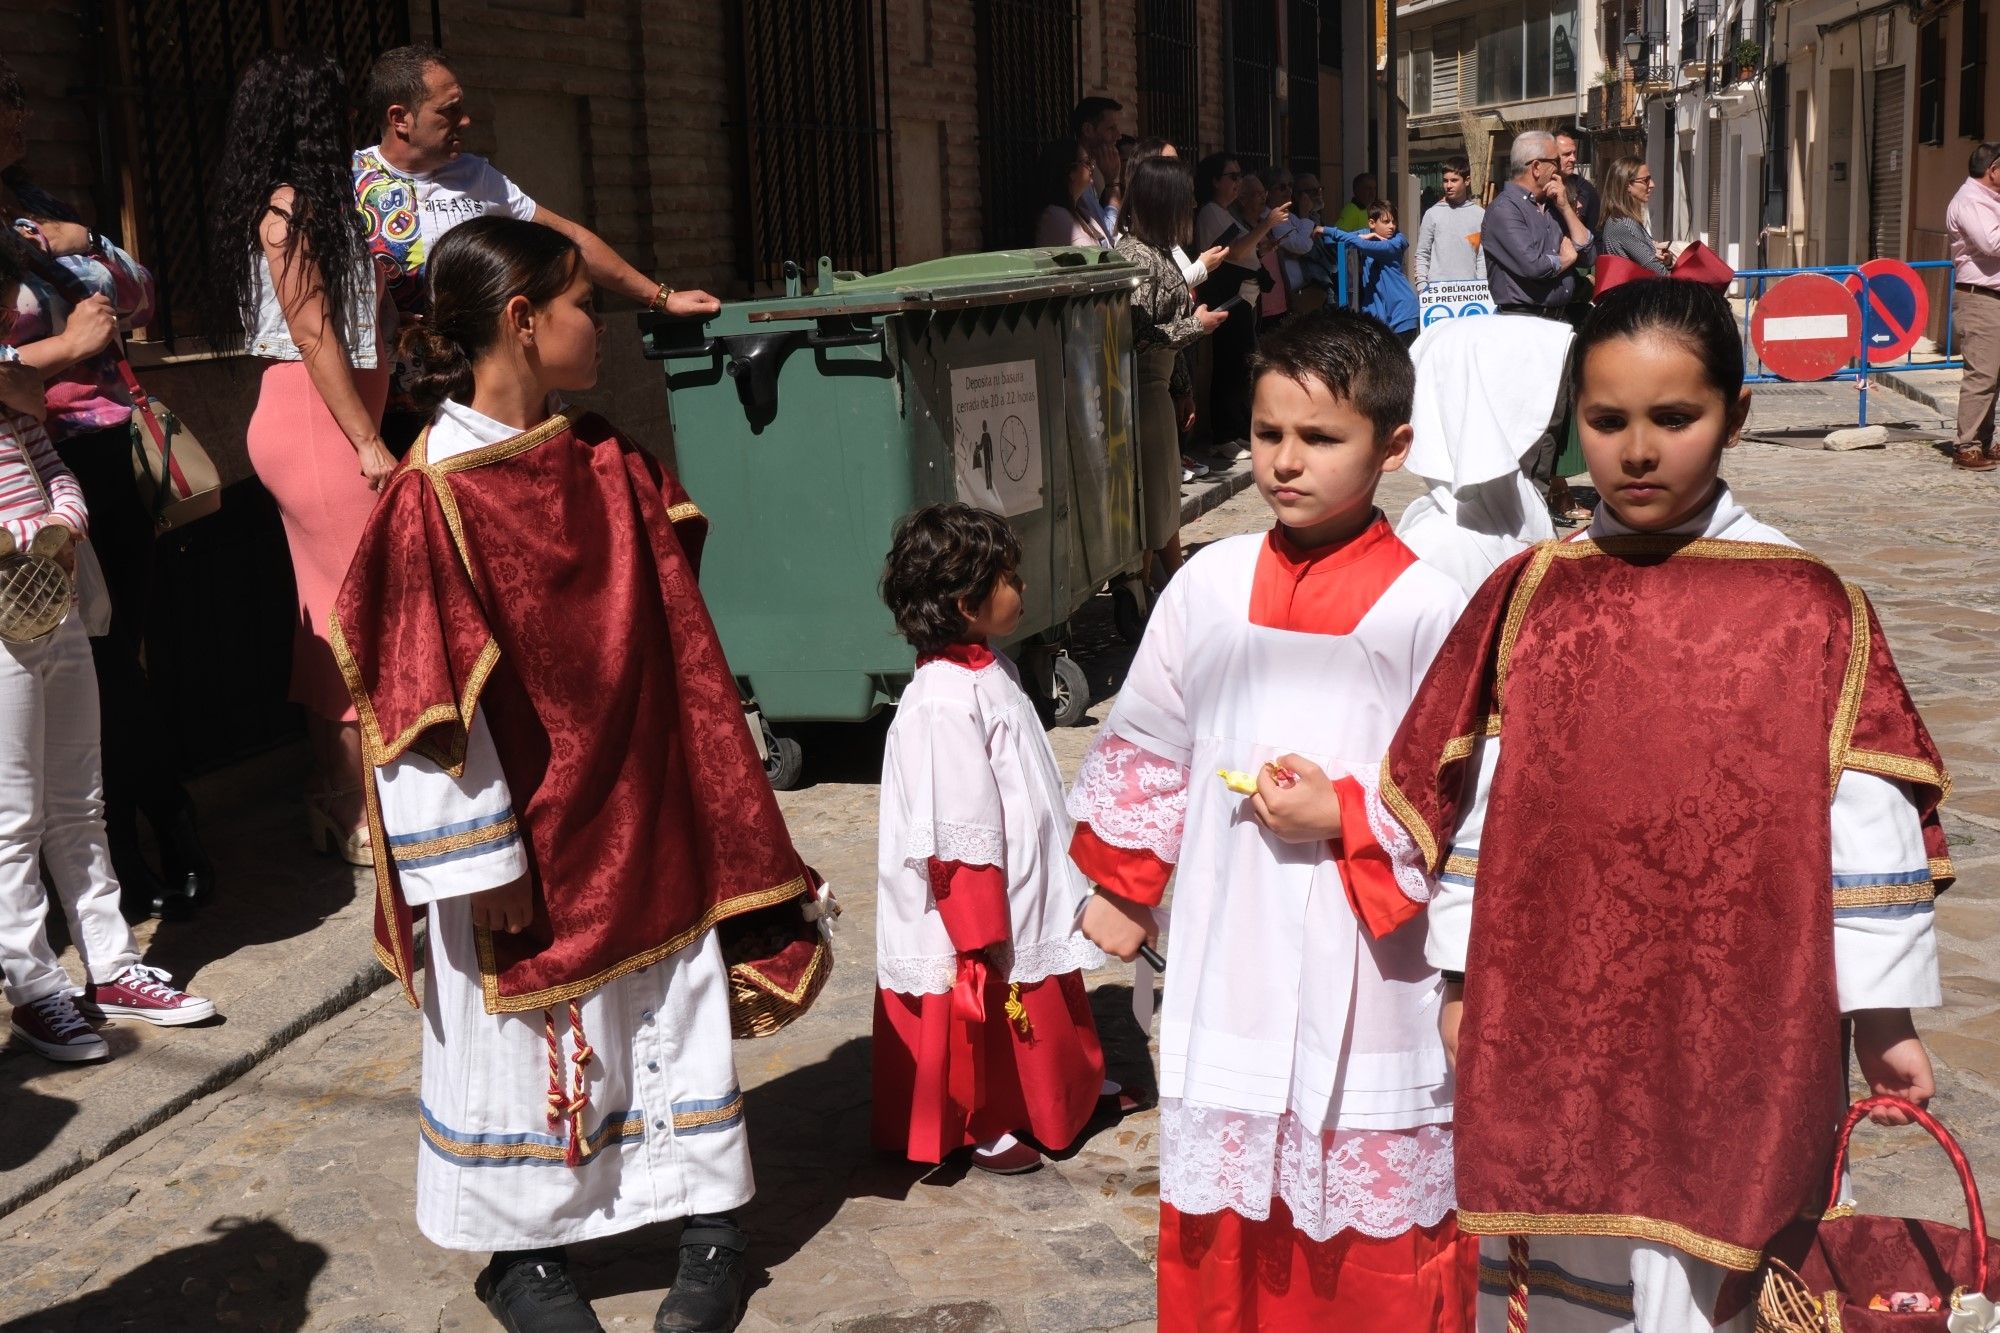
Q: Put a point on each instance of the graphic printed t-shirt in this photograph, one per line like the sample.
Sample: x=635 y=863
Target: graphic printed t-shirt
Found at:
x=406 y=213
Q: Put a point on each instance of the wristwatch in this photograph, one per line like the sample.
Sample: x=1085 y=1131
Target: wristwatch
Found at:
x=661 y=297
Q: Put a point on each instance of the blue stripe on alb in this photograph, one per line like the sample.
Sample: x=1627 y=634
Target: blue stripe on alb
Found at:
x=447 y=830
x=1613 y=1298
x=699 y=1105
x=1873 y=878
x=477 y=849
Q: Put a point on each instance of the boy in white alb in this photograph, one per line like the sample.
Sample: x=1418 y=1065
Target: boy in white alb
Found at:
x=1305 y=1114
x=982 y=1026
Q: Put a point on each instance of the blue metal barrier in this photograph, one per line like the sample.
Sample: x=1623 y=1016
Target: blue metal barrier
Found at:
x=1863 y=367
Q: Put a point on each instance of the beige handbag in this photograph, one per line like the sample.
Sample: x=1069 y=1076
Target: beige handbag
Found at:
x=177 y=479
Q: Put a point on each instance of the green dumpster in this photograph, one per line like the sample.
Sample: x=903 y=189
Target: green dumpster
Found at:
x=806 y=425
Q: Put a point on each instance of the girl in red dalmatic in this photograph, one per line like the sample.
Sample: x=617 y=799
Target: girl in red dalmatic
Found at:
x=982 y=1027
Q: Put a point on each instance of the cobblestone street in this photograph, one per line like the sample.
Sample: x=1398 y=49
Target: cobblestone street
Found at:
x=282 y=1200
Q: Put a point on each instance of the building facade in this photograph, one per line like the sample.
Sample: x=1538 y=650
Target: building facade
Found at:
x=709 y=141
x=1474 y=73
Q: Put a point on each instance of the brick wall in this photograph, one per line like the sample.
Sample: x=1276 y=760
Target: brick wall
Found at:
x=934 y=107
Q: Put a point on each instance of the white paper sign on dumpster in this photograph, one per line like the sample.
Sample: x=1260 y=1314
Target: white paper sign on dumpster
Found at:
x=996 y=422
x=1453 y=300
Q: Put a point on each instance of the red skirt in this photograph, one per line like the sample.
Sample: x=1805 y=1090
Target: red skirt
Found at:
x=942 y=1084
x=1222 y=1274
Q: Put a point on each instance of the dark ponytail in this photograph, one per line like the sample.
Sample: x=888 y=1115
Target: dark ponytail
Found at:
x=475 y=271
x=1691 y=314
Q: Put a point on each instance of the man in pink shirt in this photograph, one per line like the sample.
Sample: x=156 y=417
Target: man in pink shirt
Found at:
x=1973 y=223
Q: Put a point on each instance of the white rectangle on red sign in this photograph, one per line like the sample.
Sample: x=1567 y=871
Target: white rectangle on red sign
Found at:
x=1795 y=328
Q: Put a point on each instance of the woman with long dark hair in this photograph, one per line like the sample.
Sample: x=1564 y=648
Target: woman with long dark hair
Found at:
x=1064 y=175
x=300 y=292
x=77 y=288
x=1158 y=217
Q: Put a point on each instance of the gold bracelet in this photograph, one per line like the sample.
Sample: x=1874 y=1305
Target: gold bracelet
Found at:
x=661 y=297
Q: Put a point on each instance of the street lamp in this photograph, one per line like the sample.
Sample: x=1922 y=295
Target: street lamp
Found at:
x=1635 y=49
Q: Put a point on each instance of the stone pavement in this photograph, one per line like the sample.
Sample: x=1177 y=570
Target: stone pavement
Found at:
x=282 y=1201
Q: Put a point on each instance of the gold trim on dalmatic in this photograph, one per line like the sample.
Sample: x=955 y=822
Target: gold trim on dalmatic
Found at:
x=1887 y=765
x=1852 y=684
x=1517 y=614
x=1630 y=1226
x=489 y=979
x=1406 y=814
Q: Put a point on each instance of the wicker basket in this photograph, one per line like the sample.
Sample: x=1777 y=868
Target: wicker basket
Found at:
x=1881 y=1255
x=779 y=959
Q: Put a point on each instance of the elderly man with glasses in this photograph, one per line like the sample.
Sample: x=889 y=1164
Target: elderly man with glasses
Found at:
x=1531 y=235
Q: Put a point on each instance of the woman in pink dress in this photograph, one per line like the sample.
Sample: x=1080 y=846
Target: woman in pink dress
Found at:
x=305 y=294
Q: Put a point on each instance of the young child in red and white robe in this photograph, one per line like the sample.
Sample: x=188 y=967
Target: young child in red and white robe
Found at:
x=982 y=1028
x=1305 y=1102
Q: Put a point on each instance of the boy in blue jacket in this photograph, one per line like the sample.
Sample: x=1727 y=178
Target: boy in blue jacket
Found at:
x=1386 y=292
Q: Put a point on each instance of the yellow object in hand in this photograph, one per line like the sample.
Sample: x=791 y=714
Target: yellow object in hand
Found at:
x=1243 y=784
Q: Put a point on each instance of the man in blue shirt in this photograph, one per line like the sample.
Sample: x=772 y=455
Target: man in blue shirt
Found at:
x=1531 y=236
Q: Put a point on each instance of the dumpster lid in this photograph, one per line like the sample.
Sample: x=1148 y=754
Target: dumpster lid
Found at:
x=997 y=277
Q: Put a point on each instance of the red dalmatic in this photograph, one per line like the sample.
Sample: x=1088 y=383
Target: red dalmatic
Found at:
x=1651 y=1045
x=548 y=582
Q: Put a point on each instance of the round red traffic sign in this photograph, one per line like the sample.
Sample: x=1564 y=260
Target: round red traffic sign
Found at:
x=1895 y=310
x=1806 y=327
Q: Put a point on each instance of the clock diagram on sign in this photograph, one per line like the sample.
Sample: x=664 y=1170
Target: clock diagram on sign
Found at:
x=996 y=437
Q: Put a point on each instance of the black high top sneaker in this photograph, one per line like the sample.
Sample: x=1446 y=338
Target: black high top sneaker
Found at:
x=529 y=1291
x=708 y=1291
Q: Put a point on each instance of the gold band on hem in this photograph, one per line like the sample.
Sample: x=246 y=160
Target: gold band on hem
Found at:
x=1462 y=865
x=547 y=1152
x=1883 y=895
x=489 y=980
x=456 y=842
x=699 y=1119
x=1942 y=868
x=684 y=511
x=1631 y=1226
x=797 y=993
x=1557 y=1284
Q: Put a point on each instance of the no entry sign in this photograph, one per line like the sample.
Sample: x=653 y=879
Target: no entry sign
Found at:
x=1806 y=327
x=1895 y=310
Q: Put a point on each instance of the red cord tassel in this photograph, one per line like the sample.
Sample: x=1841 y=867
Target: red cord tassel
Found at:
x=566 y=1108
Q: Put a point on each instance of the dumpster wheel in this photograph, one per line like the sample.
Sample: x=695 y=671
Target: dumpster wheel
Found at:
x=1068 y=702
x=784 y=759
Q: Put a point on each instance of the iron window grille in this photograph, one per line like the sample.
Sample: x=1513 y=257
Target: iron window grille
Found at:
x=1972 y=70
x=1251 y=43
x=166 y=106
x=1302 y=42
x=1930 y=83
x=1170 y=74
x=813 y=118
x=1030 y=78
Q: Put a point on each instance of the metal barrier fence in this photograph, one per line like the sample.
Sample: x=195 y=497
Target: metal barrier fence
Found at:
x=1754 y=282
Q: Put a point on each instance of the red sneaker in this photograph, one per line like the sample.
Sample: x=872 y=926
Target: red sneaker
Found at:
x=147 y=994
x=53 y=1026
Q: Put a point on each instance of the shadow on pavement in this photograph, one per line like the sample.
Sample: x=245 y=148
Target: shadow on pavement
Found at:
x=33 y=1118
x=809 y=1148
x=256 y=1269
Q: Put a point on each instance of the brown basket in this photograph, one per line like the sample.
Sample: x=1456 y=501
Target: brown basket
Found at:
x=1877 y=1253
x=779 y=960
x=758 y=1010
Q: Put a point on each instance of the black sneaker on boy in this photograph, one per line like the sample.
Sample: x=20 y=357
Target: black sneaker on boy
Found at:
x=708 y=1291
x=529 y=1291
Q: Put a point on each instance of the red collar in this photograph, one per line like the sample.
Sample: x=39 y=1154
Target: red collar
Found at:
x=971 y=656
x=1298 y=561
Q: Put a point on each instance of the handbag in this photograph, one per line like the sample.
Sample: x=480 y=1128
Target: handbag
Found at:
x=177 y=479
x=1858 y=1270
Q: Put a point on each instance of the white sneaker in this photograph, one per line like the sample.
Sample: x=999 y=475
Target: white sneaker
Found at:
x=53 y=1026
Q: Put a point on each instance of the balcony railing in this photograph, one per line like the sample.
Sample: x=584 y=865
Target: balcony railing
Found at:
x=1612 y=106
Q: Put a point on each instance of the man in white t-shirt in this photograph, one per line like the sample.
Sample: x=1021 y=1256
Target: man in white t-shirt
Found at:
x=416 y=185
